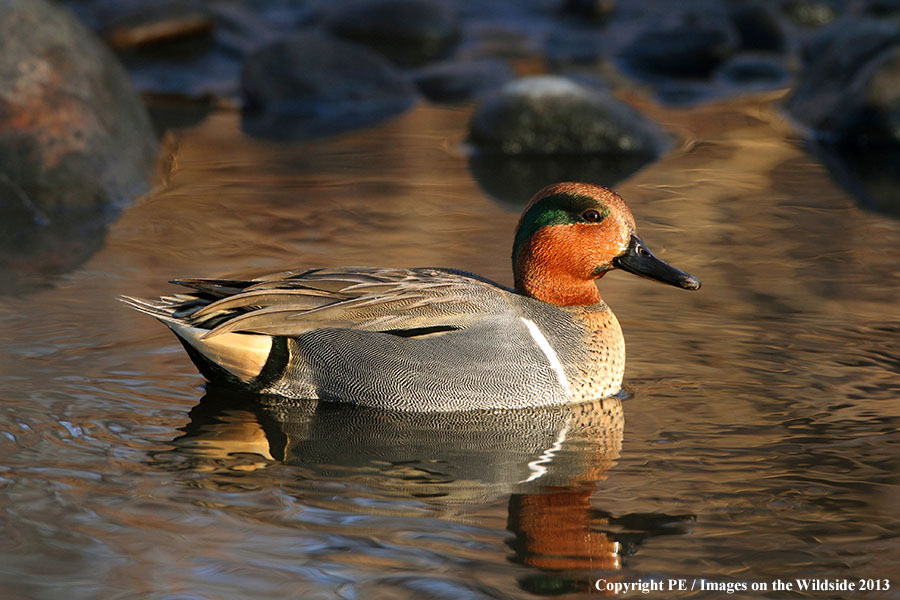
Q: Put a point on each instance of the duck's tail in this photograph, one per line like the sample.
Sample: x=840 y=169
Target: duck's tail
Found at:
x=230 y=356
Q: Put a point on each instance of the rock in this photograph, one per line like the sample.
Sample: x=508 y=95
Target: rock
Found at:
x=409 y=32
x=754 y=71
x=75 y=139
x=882 y=8
x=192 y=49
x=869 y=112
x=850 y=93
x=869 y=174
x=538 y=130
x=459 y=81
x=553 y=115
x=312 y=85
x=153 y=25
x=848 y=42
x=196 y=64
x=758 y=27
x=73 y=133
x=690 y=44
x=814 y=13
x=595 y=10
x=175 y=113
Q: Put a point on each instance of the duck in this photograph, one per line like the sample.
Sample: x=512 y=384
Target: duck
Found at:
x=432 y=339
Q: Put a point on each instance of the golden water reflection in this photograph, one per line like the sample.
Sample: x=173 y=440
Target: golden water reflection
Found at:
x=547 y=461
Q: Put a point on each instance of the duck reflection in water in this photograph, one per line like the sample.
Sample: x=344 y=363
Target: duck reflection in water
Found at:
x=547 y=461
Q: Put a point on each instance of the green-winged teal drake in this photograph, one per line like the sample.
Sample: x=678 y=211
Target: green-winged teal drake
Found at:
x=432 y=339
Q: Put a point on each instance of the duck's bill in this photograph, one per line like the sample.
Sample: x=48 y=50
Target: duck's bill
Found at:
x=639 y=260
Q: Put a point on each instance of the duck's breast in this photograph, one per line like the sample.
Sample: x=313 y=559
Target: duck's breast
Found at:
x=587 y=342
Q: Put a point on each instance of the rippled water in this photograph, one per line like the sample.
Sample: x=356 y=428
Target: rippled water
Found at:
x=760 y=435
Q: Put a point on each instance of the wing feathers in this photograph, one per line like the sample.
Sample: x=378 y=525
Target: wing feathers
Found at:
x=293 y=302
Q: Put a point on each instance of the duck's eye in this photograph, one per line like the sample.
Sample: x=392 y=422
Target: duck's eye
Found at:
x=591 y=215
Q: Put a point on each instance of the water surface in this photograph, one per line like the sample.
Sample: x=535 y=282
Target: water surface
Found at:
x=757 y=439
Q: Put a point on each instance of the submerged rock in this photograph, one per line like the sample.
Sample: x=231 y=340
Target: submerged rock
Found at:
x=312 y=85
x=75 y=139
x=538 y=130
x=850 y=92
x=409 y=32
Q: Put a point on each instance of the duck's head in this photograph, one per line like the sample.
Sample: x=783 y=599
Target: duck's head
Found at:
x=570 y=235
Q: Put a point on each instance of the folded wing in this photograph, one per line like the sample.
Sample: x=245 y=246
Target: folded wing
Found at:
x=403 y=301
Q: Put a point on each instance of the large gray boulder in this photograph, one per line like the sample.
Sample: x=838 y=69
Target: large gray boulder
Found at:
x=76 y=143
x=73 y=133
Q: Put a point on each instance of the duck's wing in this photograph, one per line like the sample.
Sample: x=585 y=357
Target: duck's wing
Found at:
x=401 y=301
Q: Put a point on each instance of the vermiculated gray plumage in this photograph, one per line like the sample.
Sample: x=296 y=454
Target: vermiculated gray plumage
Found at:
x=416 y=339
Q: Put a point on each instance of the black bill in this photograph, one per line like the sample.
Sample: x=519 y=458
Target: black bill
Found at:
x=639 y=260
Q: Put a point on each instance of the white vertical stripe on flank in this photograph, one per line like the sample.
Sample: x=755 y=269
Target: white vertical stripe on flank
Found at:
x=550 y=353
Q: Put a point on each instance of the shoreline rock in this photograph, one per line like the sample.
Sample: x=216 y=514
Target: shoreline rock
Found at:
x=76 y=143
x=538 y=130
x=311 y=85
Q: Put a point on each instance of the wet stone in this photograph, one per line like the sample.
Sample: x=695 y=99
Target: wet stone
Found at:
x=408 y=32
x=692 y=45
x=759 y=27
x=538 y=130
x=848 y=42
x=201 y=66
x=870 y=110
x=75 y=140
x=849 y=91
x=595 y=10
x=312 y=85
x=73 y=133
x=554 y=115
x=459 y=81
x=154 y=25
x=882 y=8
x=814 y=13
x=870 y=174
